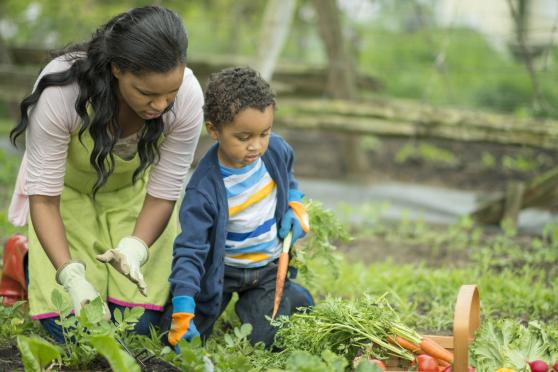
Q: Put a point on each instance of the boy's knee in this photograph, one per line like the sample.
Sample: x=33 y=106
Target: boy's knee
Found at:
x=263 y=333
x=299 y=297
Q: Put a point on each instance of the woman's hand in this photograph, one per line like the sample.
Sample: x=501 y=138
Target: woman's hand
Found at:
x=71 y=275
x=127 y=257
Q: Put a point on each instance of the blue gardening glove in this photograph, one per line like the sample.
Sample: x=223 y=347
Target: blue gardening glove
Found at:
x=182 y=326
x=295 y=219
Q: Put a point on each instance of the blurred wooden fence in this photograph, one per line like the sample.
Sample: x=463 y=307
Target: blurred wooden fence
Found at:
x=302 y=105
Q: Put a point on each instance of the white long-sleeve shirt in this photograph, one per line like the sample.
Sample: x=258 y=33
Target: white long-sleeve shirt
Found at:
x=53 y=120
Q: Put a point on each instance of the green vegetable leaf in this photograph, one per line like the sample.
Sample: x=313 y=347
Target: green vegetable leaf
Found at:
x=36 y=352
x=118 y=359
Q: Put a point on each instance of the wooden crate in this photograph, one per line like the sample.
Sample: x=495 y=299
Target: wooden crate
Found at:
x=466 y=321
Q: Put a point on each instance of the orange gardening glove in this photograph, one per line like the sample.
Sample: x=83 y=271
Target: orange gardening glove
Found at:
x=182 y=326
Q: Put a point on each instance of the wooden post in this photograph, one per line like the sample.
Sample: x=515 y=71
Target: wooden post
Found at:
x=513 y=201
x=540 y=191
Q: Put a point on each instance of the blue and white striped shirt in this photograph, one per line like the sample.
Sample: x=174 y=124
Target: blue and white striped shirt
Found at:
x=251 y=232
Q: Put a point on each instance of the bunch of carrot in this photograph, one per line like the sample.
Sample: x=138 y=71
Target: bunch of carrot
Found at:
x=425 y=345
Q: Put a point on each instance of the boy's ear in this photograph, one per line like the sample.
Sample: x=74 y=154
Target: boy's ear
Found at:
x=212 y=130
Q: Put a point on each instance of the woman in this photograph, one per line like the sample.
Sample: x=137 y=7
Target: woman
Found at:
x=111 y=128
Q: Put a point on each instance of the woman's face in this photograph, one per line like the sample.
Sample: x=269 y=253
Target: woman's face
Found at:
x=150 y=93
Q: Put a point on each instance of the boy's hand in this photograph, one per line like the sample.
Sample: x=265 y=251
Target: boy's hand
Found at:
x=295 y=219
x=72 y=276
x=127 y=258
x=182 y=326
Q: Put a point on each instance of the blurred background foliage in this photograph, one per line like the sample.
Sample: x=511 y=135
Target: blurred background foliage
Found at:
x=404 y=45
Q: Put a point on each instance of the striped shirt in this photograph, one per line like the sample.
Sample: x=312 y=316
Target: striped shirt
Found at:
x=251 y=231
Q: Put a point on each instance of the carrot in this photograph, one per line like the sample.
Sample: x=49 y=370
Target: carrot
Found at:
x=426 y=346
x=406 y=344
x=282 y=267
x=433 y=349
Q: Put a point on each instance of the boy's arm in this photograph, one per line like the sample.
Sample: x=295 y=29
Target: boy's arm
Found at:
x=293 y=183
x=296 y=218
x=197 y=217
x=191 y=246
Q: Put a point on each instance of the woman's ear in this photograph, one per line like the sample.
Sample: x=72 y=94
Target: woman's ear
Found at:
x=212 y=130
x=116 y=72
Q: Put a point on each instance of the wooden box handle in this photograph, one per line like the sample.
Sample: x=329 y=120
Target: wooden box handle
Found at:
x=465 y=322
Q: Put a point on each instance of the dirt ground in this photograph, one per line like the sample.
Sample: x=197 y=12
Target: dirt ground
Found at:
x=10 y=360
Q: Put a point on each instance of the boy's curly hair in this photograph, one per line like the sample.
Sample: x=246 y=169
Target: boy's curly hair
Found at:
x=232 y=90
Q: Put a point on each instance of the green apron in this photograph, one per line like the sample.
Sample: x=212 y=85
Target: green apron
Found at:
x=92 y=227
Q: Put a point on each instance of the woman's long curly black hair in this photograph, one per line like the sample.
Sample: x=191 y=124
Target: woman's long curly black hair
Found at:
x=142 y=40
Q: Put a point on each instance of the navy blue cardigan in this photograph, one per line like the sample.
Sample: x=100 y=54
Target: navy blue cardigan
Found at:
x=198 y=256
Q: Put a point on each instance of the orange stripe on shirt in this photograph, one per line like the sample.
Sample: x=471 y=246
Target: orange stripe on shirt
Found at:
x=261 y=194
x=254 y=257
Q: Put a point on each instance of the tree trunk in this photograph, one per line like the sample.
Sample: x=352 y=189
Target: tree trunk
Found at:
x=341 y=76
x=274 y=30
x=5 y=56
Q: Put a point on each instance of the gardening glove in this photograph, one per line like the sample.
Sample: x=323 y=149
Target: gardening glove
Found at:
x=71 y=275
x=127 y=258
x=295 y=219
x=182 y=326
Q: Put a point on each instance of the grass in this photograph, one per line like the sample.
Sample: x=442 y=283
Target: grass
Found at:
x=6 y=125
x=424 y=294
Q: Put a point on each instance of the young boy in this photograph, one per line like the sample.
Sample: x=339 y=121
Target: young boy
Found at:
x=238 y=206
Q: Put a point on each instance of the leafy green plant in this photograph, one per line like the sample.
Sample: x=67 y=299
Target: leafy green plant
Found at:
x=14 y=320
x=191 y=357
x=304 y=361
x=83 y=333
x=488 y=160
x=371 y=143
x=108 y=347
x=427 y=153
x=550 y=233
x=326 y=230
x=520 y=163
x=236 y=353
x=36 y=353
x=507 y=343
x=346 y=328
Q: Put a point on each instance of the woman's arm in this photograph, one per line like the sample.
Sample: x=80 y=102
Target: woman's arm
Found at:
x=48 y=225
x=153 y=218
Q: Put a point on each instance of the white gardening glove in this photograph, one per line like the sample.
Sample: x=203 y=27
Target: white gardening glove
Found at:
x=71 y=275
x=127 y=257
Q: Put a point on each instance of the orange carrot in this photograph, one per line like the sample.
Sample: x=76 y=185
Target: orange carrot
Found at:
x=433 y=349
x=406 y=344
x=282 y=267
x=426 y=346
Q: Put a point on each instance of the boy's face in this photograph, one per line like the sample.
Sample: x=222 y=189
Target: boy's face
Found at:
x=245 y=139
